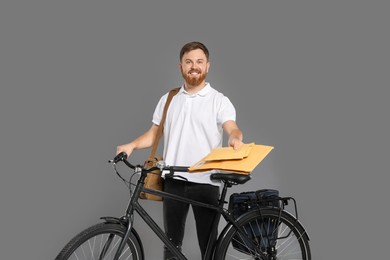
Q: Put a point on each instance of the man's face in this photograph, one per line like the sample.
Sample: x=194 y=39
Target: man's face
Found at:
x=194 y=67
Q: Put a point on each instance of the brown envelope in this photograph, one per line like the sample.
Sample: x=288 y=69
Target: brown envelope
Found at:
x=242 y=161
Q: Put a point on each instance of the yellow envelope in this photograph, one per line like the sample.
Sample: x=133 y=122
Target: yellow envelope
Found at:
x=253 y=155
x=228 y=153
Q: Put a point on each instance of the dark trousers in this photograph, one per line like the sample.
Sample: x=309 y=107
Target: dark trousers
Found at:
x=175 y=212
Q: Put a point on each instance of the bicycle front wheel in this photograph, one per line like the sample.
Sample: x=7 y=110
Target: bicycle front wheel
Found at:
x=271 y=236
x=101 y=242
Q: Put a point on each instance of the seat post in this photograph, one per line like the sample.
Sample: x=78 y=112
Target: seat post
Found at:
x=226 y=185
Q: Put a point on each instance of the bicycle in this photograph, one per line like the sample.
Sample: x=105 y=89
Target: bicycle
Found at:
x=281 y=235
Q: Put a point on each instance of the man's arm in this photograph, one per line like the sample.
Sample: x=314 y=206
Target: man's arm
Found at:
x=234 y=133
x=144 y=141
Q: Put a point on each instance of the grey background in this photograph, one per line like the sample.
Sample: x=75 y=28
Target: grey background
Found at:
x=79 y=78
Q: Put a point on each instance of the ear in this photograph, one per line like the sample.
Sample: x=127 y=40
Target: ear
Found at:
x=208 y=66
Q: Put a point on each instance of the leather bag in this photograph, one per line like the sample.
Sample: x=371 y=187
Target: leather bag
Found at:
x=154 y=180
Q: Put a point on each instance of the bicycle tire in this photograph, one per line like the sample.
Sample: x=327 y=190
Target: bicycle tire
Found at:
x=292 y=246
x=101 y=239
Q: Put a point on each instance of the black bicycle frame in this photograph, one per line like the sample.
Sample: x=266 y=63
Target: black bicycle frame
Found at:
x=135 y=206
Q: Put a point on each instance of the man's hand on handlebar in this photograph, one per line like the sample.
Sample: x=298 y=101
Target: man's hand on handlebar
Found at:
x=122 y=157
x=127 y=148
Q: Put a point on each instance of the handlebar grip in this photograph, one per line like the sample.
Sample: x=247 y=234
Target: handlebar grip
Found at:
x=120 y=157
x=179 y=168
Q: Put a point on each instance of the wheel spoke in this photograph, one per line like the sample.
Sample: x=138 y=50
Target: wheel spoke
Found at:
x=101 y=242
x=275 y=235
x=92 y=247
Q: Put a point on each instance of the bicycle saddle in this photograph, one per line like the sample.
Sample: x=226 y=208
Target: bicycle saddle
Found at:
x=230 y=177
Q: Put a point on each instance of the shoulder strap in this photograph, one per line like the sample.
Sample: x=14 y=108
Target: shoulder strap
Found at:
x=160 y=129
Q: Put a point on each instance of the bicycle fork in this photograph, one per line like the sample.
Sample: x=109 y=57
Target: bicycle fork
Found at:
x=129 y=215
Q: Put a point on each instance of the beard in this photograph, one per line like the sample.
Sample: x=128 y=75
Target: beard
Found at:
x=194 y=81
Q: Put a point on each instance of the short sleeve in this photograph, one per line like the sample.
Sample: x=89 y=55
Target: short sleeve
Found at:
x=159 y=110
x=227 y=111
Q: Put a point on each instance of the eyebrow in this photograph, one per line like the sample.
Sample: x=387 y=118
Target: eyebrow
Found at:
x=196 y=60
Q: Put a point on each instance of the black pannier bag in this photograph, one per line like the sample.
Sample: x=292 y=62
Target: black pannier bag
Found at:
x=264 y=232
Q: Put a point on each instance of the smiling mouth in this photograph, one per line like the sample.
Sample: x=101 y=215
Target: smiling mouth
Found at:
x=194 y=72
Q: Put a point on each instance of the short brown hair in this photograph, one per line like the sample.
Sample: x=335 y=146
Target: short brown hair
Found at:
x=193 y=46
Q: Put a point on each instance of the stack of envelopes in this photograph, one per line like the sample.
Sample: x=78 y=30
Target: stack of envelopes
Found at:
x=243 y=160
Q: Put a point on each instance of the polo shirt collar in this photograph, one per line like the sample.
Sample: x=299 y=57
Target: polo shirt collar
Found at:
x=203 y=92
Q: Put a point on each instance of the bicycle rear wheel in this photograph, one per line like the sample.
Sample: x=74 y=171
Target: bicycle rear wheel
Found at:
x=271 y=237
x=101 y=242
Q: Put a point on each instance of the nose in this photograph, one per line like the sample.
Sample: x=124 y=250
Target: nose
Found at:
x=195 y=68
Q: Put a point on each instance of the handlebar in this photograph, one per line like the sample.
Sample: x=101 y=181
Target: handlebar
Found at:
x=229 y=179
x=122 y=157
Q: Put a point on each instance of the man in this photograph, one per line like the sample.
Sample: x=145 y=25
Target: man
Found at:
x=194 y=126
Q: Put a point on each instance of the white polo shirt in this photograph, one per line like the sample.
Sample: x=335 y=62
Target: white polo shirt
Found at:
x=193 y=127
